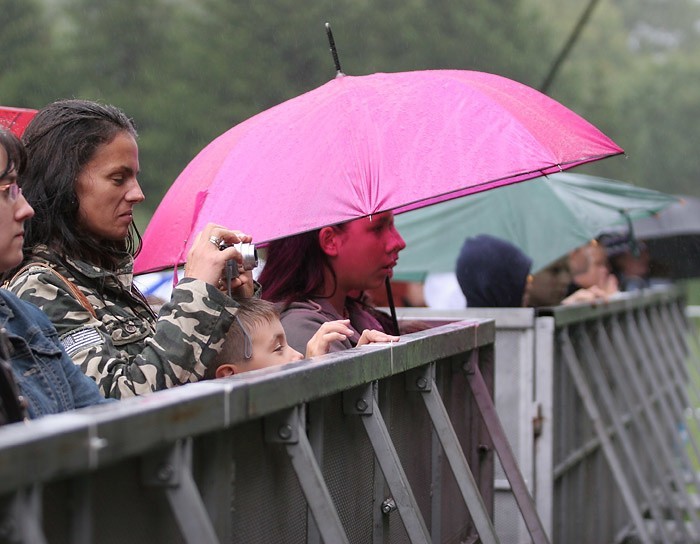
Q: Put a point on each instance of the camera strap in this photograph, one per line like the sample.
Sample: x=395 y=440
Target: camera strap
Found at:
x=77 y=293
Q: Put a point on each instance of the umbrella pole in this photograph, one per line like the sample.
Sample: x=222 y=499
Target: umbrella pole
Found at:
x=392 y=307
x=334 y=51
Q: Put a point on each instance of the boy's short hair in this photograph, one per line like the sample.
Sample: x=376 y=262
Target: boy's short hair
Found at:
x=252 y=312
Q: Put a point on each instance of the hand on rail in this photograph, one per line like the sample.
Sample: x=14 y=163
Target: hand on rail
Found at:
x=327 y=333
x=592 y=295
x=372 y=337
x=338 y=331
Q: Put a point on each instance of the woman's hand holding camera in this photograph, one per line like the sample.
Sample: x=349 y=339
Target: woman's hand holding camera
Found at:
x=206 y=260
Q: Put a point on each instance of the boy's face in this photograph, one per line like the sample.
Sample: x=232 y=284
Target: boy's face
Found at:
x=270 y=348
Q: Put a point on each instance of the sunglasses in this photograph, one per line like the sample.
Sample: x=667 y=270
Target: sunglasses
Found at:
x=12 y=190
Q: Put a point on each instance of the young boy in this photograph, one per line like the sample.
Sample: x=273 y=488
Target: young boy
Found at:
x=258 y=340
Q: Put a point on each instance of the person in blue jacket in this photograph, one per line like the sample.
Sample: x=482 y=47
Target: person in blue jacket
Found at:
x=45 y=379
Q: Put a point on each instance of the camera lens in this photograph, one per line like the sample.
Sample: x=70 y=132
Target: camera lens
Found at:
x=249 y=254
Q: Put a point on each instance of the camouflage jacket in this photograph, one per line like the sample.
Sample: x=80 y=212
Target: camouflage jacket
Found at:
x=125 y=347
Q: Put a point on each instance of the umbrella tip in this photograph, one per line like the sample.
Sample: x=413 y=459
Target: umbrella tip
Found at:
x=334 y=51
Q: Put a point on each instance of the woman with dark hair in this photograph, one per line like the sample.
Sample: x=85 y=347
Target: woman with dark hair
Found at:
x=40 y=378
x=320 y=276
x=79 y=248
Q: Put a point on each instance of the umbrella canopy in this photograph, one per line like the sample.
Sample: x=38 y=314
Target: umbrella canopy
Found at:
x=679 y=219
x=357 y=146
x=673 y=238
x=16 y=119
x=545 y=218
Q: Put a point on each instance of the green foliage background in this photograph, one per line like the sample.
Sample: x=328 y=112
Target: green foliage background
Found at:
x=187 y=70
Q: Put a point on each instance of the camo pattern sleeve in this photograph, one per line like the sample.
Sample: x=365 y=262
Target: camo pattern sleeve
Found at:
x=124 y=348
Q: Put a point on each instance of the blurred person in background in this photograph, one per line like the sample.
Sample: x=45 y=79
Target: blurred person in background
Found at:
x=493 y=273
x=629 y=261
x=590 y=267
x=551 y=284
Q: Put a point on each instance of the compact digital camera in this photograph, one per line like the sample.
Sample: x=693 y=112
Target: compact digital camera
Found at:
x=247 y=251
x=250 y=260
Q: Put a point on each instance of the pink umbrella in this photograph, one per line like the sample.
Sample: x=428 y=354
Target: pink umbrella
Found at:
x=357 y=146
x=16 y=119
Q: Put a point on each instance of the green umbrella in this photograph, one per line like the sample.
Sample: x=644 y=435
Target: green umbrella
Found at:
x=545 y=217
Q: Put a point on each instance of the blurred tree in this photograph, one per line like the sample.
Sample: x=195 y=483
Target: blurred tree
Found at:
x=591 y=78
x=659 y=27
x=424 y=34
x=31 y=70
x=187 y=71
x=122 y=53
x=624 y=70
x=662 y=113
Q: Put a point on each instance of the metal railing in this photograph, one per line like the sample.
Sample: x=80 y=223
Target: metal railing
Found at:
x=379 y=444
x=595 y=401
x=625 y=368
x=393 y=443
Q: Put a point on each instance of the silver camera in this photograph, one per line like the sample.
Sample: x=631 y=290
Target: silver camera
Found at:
x=247 y=251
x=250 y=260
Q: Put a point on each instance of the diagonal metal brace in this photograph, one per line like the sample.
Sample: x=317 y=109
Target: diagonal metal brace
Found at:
x=171 y=470
x=505 y=453
x=606 y=443
x=286 y=428
x=422 y=380
x=360 y=401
